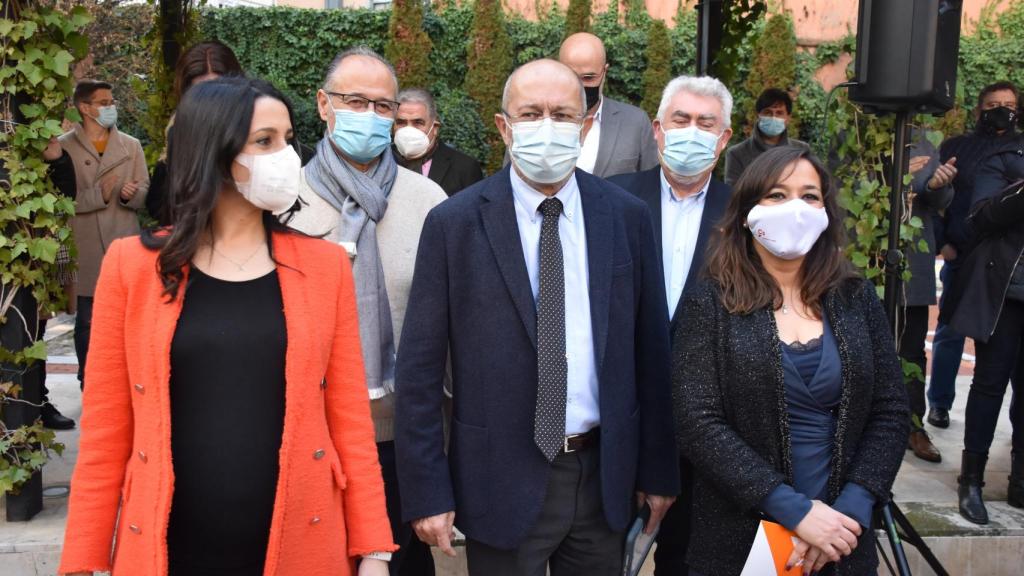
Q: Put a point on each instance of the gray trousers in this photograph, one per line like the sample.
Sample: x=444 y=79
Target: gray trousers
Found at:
x=571 y=534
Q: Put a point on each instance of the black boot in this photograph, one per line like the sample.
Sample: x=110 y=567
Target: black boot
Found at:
x=1015 y=494
x=970 y=481
x=54 y=420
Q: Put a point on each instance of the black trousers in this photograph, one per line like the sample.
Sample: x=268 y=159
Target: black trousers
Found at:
x=571 y=535
x=83 y=325
x=913 y=322
x=997 y=360
x=674 y=534
x=414 y=557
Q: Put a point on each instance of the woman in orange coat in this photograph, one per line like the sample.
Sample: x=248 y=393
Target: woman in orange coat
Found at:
x=232 y=343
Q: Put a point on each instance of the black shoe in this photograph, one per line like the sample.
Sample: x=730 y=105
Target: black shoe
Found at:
x=970 y=483
x=938 y=417
x=54 y=420
x=1015 y=493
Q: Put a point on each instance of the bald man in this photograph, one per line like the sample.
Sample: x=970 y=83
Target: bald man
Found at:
x=620 y=139
x=354 y=193
x=542 y=286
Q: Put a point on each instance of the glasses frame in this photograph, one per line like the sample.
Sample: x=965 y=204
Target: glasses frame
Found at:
x=394 y=105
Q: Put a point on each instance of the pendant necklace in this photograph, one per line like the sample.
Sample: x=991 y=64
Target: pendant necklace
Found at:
x=240 y=266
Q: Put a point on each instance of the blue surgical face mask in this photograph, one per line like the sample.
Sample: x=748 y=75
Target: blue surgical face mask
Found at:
x=771 y=126
x=689 y=151
x=107 y=116
x=545 y=151
x=362 y=136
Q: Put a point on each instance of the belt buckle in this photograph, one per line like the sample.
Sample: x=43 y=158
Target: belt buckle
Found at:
x=565 y=443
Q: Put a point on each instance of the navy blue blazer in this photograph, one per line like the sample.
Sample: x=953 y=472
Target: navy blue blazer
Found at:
x=471 y=298
x=646 y=185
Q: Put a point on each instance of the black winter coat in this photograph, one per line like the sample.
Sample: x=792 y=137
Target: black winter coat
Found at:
x=997 y=222
x=732 y=423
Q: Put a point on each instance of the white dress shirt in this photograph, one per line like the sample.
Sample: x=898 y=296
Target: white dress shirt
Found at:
x=582 y=410
x=588 y=152
x=680 y=227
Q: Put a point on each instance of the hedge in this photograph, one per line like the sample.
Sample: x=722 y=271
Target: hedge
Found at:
x=291 y=47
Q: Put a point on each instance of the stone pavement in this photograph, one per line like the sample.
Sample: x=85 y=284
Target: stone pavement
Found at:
x=925 y=491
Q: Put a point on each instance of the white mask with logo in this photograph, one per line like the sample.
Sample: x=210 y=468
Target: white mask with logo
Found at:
x=788 y=230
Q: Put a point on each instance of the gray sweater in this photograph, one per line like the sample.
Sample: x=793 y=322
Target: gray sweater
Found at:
x=398 y=236
x=738 y=157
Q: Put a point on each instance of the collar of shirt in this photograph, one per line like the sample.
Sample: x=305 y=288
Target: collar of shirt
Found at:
x=600 y=108
x=528 y=199
x=698 y=198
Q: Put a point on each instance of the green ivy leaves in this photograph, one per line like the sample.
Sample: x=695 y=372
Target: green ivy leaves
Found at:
x=37 y=50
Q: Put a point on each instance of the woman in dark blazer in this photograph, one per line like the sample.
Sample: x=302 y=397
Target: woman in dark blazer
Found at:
x=789 y=397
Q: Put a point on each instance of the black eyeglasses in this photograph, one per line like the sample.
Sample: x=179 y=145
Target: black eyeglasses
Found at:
x=360 y=103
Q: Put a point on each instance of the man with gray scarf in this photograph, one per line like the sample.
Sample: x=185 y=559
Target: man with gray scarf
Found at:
x=354 y=193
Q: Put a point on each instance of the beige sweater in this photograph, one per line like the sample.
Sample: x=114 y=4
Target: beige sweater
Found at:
x=398 y=236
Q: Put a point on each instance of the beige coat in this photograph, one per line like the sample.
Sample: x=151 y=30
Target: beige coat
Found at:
x=97 y=223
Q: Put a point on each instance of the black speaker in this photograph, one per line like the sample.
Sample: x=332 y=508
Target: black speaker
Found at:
x=907 y=55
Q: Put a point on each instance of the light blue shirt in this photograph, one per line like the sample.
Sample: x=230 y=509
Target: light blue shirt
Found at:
x=582 y=410
x=680 y=227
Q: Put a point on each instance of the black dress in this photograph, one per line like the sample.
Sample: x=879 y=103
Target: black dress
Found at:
x=227 y=395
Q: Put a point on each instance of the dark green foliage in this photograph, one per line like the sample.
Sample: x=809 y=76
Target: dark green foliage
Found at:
x=625 y=48
x=489 y=62
x=577 y=18
x=740 y=18
x=773 y=62
x=533 y=40
x=659 y=72
x=408 y=47
x=292 y=47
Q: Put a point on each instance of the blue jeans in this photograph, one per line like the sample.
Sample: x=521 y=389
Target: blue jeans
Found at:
x=947 y=351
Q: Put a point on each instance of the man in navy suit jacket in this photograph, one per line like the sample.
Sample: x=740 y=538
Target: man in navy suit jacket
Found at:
x=685 y=210
x=474 y=300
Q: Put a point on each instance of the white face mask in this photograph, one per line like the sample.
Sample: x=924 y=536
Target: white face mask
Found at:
x=788 y=230
x=273 y=179
x=411 y=142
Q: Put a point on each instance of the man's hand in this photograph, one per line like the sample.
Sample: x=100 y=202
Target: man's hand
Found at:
x=917 y=162
x=831 y=531
x=437 y=531
x=944 y=175
x=659 y=506
x=110 y=186
x=948 y=252
x=53 y=150
x=128 y=191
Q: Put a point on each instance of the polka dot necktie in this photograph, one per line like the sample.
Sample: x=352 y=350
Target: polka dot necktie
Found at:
x=552 y=366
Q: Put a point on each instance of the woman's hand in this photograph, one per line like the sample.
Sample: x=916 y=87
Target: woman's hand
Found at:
x=806 y=557
x=834 y=533
x=373 y=567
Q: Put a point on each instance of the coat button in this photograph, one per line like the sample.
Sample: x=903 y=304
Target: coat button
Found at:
x=323 y=384
x=314 y=520
x=140 y=388
x=318 y=454
x=142 y=456
x=135 y=529
x=991 y=264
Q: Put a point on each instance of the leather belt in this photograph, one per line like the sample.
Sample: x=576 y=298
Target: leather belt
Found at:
x=577 y=442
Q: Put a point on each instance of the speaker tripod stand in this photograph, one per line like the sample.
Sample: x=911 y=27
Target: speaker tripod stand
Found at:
x=897 y=527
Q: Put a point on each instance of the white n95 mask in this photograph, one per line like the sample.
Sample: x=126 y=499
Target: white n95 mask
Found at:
x=273 y=179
